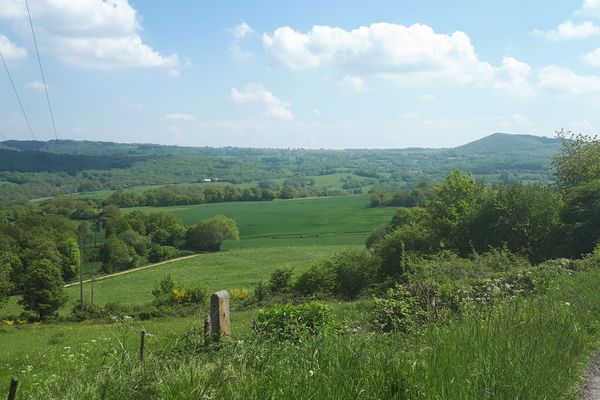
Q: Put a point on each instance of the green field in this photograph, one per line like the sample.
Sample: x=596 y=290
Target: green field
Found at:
x=280 y=233
x=320 y=221
x=323 y=182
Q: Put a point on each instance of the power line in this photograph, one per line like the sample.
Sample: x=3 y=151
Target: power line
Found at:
x=41 y=70
x=17 y=95
x=2 y=135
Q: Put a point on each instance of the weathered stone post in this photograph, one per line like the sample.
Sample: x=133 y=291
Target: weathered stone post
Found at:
x=12 y=391
x=220 y=325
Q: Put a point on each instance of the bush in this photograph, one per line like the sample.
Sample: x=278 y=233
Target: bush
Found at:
x=294 y=323
x=167 y=292
x=316 y=280
x=161 y=253
x=353 y=271
x=400 y=311
x=280 y=280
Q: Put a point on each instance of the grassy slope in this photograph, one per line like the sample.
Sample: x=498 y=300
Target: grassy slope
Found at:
x=534 y=349
x=288 y=232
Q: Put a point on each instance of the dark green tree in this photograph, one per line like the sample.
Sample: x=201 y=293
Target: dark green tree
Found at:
x=43 y=291
x=208 y=235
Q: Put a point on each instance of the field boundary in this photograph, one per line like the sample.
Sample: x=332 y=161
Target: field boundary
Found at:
x=128 y=271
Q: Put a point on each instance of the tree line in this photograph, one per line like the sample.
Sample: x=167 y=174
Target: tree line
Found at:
x=39 y=252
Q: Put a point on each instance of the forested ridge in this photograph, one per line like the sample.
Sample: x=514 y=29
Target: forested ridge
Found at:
x=32 y=169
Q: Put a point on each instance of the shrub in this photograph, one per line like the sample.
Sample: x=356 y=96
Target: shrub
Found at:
x=400 y=311
x=280 y=280
x=353 y=270
x=261 y=291
x=294 y=323
x=379 y=233
x=316 y=280
x=161 y=253
x=166 y=292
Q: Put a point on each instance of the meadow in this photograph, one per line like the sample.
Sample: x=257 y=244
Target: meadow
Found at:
x=341 y=220
x=291 y=233
x=523 y=349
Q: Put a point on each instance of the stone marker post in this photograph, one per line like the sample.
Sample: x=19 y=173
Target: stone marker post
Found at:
x=12 y=391
x=219 y=315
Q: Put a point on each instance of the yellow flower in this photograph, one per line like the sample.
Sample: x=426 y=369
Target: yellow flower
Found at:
x=240 y=294
x=179 y=293
x=22 y=322
x=8 y=322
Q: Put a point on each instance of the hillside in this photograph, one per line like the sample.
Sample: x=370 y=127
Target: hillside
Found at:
x=511 y=143
x=34 y=169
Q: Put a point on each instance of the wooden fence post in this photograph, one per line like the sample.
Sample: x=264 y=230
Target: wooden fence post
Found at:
x=220 y=325
x=142 y=344
x=12 y=391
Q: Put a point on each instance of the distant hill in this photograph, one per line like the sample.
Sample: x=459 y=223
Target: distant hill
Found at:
x=33 y=169
x=511 y=143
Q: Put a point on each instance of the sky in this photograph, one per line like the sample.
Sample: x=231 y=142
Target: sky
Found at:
x=291 y=74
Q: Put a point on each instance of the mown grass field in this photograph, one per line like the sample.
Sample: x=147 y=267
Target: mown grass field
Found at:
x=319 y=221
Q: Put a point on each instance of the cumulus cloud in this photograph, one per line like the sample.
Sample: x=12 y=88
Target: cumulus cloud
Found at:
x=180 y=117
x=241 y=30
x=381 y=48
x=11 y=51
x=513 y=77
x=560 y=80
x=89 y=33
x=569 y=30
x=590 y=7
x=405 y=54
x=593 y=57
x=256 y=93
x=239 y=33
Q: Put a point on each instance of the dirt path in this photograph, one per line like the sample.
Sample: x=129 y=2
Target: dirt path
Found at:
x=102 y=277
x=591 y=389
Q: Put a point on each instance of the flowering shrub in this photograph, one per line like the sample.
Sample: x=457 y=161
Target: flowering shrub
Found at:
x=240 y=294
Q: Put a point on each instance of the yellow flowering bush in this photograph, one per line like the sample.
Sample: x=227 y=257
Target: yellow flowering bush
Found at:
x=240 y=294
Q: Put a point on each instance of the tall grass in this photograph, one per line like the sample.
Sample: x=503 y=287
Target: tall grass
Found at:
x=521 y=349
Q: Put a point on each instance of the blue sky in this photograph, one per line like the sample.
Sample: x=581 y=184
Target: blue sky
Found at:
x=336 y=74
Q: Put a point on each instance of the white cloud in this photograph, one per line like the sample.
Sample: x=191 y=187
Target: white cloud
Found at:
x=593 y=57
x=256 y=93
x=9 y=50
x=35 y=85
x=569 y=30
x=352 y=83
x=88 y=33
x=410 y=55
x=180 y=117
x=555 y=79
x=239 y=33
x=414 y=51
x=513 y=77
x=241 y=30
x=590 y=7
